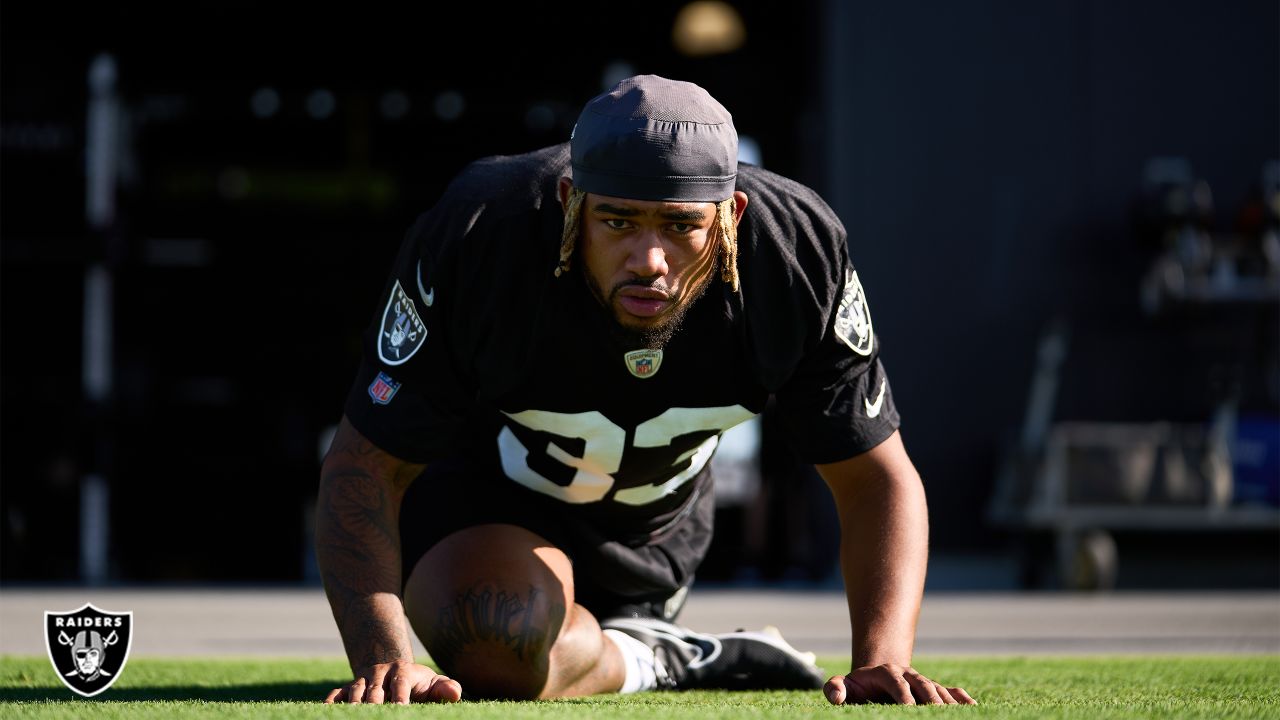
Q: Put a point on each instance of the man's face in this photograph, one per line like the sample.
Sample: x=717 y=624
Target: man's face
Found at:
x=647 y=261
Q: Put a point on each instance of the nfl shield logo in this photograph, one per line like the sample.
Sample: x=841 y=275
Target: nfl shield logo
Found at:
x=383 y=389
x=88 y=647
x=643 y=363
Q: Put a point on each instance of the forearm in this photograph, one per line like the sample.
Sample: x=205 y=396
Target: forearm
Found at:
x=361 y=573
x=883 y=555
x=358 y=549
x=884 y=549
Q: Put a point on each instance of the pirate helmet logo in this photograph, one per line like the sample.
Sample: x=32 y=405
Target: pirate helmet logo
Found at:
x=402 y=329
x=88 y=647
x=853 y=318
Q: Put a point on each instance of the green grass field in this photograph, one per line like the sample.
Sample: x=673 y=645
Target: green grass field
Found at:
x=1101 y=687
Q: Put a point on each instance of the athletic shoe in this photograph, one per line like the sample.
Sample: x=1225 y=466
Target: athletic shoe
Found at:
x=729 y=661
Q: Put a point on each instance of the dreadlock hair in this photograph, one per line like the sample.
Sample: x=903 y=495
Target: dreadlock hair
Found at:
x=725 y=211
x=572 y=222
x=726 y=234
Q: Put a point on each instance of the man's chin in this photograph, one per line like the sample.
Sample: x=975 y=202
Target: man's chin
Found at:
x=635 y=324
x=648 y=333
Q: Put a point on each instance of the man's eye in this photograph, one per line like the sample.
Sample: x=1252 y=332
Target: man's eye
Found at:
x=616 y=224
x=682 y=228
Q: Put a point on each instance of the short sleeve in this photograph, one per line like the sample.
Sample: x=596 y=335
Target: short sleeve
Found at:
x=810 y=329
x=838 y=402
x=409 y=398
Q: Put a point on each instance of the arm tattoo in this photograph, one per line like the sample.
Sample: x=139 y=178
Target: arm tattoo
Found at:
x=358 y=546
x=483 y=614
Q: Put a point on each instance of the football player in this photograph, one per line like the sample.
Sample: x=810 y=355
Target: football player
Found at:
x=522 y=468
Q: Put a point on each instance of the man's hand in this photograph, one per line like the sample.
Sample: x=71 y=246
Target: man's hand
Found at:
x=897 y=684
x=398 y=682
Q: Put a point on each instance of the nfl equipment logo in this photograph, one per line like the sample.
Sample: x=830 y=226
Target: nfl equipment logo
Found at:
x=88 y=647
x=643 y=363
x=383 y=389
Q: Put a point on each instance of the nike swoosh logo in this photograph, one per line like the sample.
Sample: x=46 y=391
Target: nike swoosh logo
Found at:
x=427 y=297
x=873 y=409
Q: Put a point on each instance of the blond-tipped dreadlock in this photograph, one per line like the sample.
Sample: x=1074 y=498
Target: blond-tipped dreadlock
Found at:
x=569 y=235
x=725 y=210
x=726 y=231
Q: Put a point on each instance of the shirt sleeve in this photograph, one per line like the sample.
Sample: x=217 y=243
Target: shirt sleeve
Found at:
x=810 y=329
x=838 y=402
x=409 y=397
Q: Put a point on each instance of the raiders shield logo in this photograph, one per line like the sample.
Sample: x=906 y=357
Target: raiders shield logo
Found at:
x=853 y=319
x=402 y=329
x=643 y=363
x=88 y=647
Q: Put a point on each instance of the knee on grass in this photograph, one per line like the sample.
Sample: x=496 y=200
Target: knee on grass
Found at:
x=498 y=641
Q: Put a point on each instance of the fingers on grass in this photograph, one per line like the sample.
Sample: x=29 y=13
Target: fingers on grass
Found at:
x=401 y=687
x=962 y=697
x=355 y=691
x=834 y=690
x=335 y=695
x=861 y=688
x=922 y=688
x=445 y=689
x=945 y=694
x=900 y=691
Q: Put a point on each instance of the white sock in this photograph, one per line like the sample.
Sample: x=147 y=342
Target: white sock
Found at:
x=639 y=661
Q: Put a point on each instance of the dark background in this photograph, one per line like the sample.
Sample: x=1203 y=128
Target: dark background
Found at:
x=985 y=157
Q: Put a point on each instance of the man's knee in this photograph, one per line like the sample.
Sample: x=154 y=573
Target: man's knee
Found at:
x=497 y=640
x=489 y=604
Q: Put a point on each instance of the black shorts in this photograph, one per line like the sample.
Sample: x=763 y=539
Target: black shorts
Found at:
x=645 y=576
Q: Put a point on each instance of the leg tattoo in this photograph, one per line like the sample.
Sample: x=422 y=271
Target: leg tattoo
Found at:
x=481 y=614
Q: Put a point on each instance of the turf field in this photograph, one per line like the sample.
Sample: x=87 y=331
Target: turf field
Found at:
x=1100 y=687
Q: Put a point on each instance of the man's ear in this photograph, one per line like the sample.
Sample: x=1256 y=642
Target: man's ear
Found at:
x=563 y=191
x=739 y=206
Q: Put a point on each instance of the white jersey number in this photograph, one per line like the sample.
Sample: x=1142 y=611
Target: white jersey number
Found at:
x=605 y=443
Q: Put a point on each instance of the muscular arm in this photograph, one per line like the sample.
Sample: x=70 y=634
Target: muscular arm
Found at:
x=358 y=547
x=884 y=550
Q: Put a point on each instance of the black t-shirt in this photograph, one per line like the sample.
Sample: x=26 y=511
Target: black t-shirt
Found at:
x=478 y=351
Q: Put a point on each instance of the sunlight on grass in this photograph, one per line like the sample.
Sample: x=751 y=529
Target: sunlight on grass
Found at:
x=1093 y=688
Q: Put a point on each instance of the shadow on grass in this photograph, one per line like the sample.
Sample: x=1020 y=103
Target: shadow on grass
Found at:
x=264 y=692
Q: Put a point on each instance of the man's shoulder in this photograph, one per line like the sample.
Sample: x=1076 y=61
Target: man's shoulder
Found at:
x=792 y=259
x=778 y=192
x=787 y=222
x=512 y=182
x=495 y=202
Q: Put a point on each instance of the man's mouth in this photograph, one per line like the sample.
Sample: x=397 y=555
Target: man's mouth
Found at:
x=643 y=301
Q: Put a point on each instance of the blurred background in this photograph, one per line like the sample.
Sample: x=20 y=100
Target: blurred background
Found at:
x=1064 y=214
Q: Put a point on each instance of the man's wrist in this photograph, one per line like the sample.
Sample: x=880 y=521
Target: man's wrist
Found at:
x=875 y=657
x=371 y=662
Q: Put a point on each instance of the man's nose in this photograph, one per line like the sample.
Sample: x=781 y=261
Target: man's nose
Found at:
x=647 y=257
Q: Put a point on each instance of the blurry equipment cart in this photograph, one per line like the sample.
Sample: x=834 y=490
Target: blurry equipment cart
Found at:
x=1094 y=479
x=1080 y=482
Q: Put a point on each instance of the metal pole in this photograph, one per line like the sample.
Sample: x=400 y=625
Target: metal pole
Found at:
x=101 y=157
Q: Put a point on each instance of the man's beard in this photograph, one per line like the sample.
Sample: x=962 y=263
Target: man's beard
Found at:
x=654 y=337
